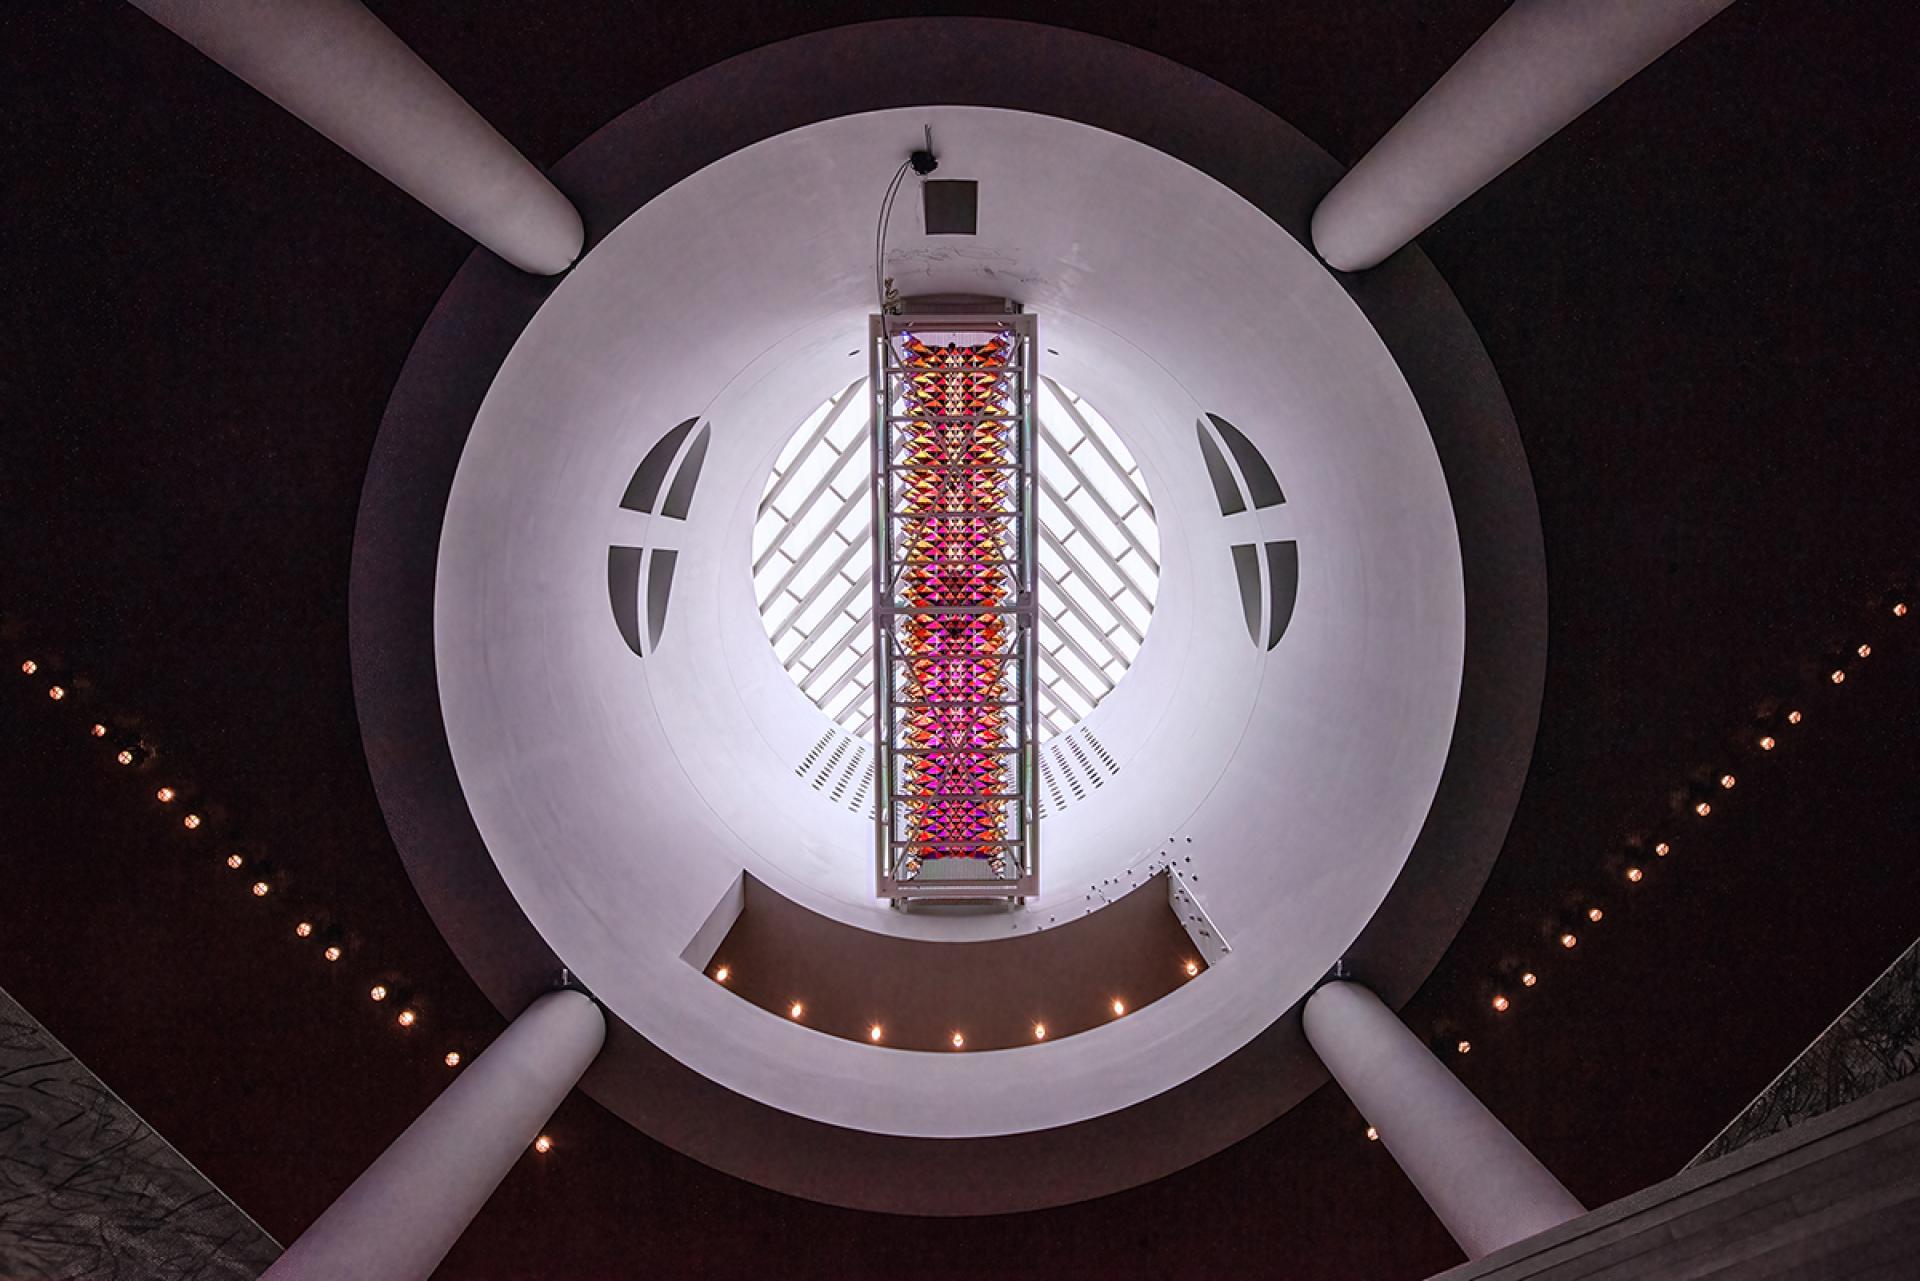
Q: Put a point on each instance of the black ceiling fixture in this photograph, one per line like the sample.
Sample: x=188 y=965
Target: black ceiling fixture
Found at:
x=952 y=206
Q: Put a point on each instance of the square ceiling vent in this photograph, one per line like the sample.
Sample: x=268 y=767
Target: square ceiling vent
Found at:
x=952 y=206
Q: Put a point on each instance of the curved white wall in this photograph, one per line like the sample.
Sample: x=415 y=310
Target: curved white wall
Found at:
x=621 y=796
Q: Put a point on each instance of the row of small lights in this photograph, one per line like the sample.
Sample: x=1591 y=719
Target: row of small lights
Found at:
x=876 y=1033
x=1635 y=874
x=406 y=1016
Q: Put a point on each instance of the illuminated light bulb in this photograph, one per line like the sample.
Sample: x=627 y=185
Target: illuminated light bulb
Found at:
x=1662 y=849
x=29 y=667
x=1595 y=915
x=303 y=930
x=260 y=889
x=1900 y=609
x=1039 y=1031
x=98 y=730
x=959 y=1041
x=1727 y=781
x=1529 y=979
x=1703 y=809
x=165 y=795
x=721 y=975
x=1793 y=718
x=1119 y=1007
x=1838 y=677
x=1373 y=1135
x=543 y=1145
x=452 y=1059
x=795 y=1010
x=1465 y=1047
x=1192 y=968
x=378 y=991
x=235 y=862
x=406 y=1018
x=332 y=953
x=1634 y=874
x=190 y=822
x=1568 y=940
x=873 y=1034
x=1864 y=650
x=1500 y=1004
x=57 y=692
x=1767 y=744
x=124 y=756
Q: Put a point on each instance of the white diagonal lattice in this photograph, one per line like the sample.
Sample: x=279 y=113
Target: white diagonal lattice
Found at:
x=1099 y=558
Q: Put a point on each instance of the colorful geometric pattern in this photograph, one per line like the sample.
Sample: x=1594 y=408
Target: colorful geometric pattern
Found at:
x=955 y=508
x=1098 y=562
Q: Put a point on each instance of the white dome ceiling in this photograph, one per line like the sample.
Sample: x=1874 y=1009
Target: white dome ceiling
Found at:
x=623 y=797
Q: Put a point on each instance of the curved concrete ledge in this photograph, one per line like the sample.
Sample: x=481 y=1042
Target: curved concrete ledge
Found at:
x=921 y=992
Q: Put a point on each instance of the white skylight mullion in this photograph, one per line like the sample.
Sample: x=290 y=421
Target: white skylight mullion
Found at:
x=851 y=467
x=825 y=641
x=820 y=536
x=1077 y=679
x=835 y=409
x=859 y=640
x=862 y=653
x=1082 y=675
x=784 y=650
x=764 y=580
x=830 y=622
x=1100 y=500
x=831 y=675
x=1089 y=641
x=1056 y=713
x=1134 y=612
x=862 y=724
x=818 y=574
x=1128 y=475
x=1059 y=544
x=857 y=707
x=1063 y=691
x=1141 y=521
x=1107 y=560
x=804 y=599
x=1145 y=582
x=1071 y=606
x=803 y=512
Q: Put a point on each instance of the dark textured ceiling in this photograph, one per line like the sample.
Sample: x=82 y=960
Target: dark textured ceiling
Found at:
x=1696 y=296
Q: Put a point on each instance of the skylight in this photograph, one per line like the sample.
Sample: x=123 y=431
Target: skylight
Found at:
x=1099 y=559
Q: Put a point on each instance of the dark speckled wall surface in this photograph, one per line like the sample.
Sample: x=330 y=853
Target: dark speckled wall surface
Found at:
x=1875 y=1043
x=88 y=1191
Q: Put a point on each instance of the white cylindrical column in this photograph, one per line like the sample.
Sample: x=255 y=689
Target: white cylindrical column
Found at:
x=1540 y=65
x=1485 y=1187
x=399 y=1219
x=340 y=69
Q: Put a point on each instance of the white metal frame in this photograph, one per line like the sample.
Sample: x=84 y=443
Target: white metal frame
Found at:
x=899 y=873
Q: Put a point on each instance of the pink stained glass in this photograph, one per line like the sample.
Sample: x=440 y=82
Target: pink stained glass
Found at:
x=957 y=531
